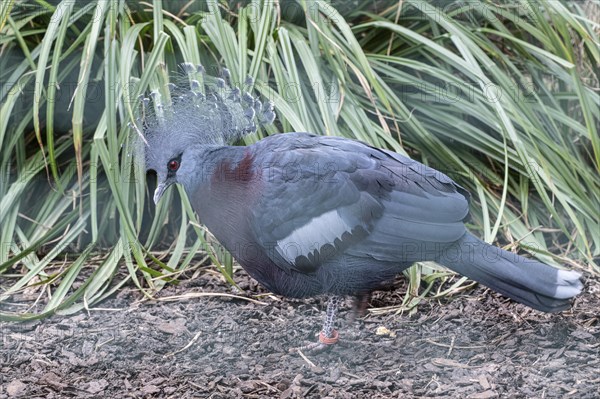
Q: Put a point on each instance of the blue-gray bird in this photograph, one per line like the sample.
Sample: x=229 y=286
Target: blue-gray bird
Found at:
x=309 y=215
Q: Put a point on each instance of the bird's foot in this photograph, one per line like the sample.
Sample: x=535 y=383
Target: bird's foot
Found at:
x=323 y=344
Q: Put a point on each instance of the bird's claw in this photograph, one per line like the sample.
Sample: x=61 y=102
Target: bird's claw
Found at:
x=312 y=348
x=320 y=346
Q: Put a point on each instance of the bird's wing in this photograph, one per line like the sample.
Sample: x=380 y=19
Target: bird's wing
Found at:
x=323 y=196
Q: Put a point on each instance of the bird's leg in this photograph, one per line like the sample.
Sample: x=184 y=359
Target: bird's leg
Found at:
x=361 y=303
x=328 y=335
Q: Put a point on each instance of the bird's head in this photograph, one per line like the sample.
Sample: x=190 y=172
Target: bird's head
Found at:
x=174 y=164
x=178 y=123
x=168 y=169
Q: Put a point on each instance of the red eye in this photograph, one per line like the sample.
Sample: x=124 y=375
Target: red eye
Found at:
x=173 y=165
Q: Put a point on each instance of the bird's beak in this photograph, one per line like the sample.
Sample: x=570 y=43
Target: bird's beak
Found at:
x=160 y=190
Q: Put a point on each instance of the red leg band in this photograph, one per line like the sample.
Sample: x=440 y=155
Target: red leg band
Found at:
x=329 y=340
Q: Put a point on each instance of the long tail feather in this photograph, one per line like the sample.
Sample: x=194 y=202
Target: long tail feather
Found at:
x=527 y=281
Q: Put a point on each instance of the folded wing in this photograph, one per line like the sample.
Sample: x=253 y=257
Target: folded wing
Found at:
x=326 y=196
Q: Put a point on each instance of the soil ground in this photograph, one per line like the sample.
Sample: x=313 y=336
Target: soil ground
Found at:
x=477 y=345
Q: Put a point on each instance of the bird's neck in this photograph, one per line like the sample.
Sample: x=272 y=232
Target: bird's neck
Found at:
x=223 y=191
x=221 y=167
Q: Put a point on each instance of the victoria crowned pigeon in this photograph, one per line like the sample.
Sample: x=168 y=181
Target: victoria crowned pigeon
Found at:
x=307 y=215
